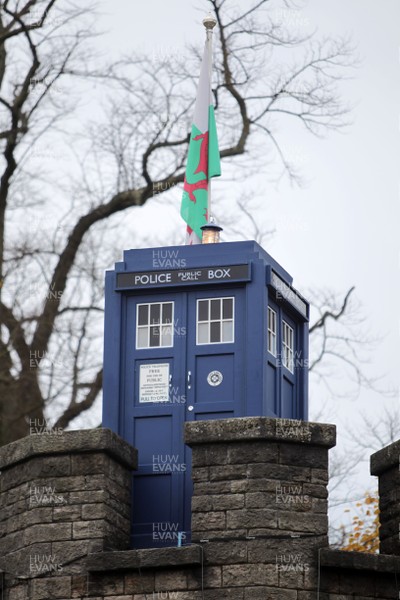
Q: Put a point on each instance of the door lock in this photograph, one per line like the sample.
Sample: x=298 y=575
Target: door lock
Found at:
x=190 y=408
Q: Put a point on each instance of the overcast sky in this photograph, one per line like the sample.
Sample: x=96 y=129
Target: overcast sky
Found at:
x=341 y=229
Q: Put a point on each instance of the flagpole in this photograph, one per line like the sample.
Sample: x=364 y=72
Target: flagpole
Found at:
x=209 y=23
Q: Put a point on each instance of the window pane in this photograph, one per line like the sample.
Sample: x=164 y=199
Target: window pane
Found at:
x=154 y=337
x=155 y=314
x=167 y=313
x=215 y=320
x=227 y=308
x=167 y=329
x=142 y=341
x=272 y=331
x=202 y=333
x=143 y=317
x=203 y=310
x=215 y=309
x=288 y=346
x=166 y=336
x=215 y=332
x=227 y=331
x=271 y=343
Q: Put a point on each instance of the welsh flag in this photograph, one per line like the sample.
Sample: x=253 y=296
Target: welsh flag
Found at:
x=203 y=160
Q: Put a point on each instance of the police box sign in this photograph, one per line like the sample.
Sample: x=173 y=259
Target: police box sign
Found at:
x=171 y=277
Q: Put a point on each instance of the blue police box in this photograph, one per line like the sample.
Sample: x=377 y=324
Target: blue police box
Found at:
x=209 y=331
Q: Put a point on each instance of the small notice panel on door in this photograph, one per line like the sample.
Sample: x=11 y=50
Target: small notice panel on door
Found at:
x=154 y=383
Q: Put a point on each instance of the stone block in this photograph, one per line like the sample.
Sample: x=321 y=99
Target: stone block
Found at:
x=28 y=518
x=46 y=467
x=212 y=454
x=211 y=577
x=268 y=593
x=105 y=585
x=272 y=471
x=168 y=579
x=311 y=456
x=74 y=551
x=253 y=452
x=87 y=497
x=200 y=474
x=67 y=513
x=250 y=518
x=19 y=592
x=208 y=521
x=217 y=502
x=89 y=529
x=227 y=472
x=139 y=583
x=51 y=587
x=303 y=522
x=320 y=476
x=47 y=532
x=229 y=552
x=91 y=462
x=261 y=500
x=249 y=575
x=94 y=511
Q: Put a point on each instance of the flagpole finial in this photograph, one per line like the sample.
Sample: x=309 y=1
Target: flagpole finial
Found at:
x=209 y=22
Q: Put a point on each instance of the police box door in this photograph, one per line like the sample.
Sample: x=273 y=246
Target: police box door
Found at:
x=183 y=362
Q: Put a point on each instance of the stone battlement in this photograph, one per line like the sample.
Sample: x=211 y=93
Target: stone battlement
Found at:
x=259 y=519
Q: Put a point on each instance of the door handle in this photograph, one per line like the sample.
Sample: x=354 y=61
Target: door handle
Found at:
x=189 y=380
x=170 y=380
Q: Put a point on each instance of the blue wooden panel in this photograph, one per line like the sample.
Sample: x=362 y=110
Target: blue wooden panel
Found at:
x=152 y=502
x=151 y=493
x=225 y=358
x=223 y=392
x=153 y=435
x=271 y=393
x=200 y=416
x=287 y=398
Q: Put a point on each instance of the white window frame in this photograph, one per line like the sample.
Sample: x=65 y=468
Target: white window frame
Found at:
x=221 y=320
x=272 y=321
x=287 y=346
x=148 y=325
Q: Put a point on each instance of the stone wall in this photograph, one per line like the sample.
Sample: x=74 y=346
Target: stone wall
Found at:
x=62 y=497
x=259 y=519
